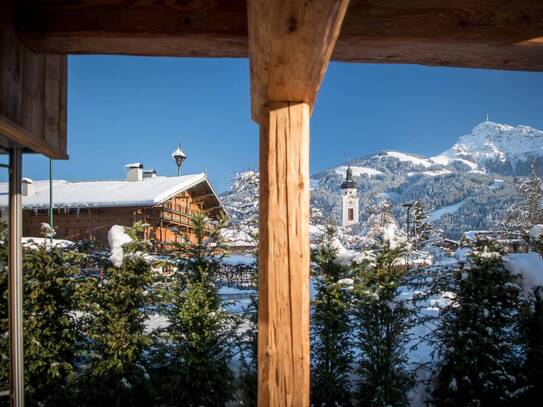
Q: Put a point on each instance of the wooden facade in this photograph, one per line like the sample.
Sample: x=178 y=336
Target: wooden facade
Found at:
x=33 y=94
x=169 y=222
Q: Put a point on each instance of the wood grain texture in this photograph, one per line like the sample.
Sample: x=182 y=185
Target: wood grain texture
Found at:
x=17 y=135
x=500 y=34
x=283 y=325
x=32 y=93
x=290 y=44
x=212 y=28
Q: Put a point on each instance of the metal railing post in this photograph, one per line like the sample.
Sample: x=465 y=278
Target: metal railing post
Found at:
x=15 y=282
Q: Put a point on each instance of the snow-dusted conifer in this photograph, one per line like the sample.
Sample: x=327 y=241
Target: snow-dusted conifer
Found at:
x=532 y=189
x=421 y=230
x=527 y=211
x=331 y=326
x=248 y=346
x=115 y=309
x=531 y=334
x=475 y=340
x=535 y=238
x=200 y=336
x=380 y=224
x=241 y=201
x=52 y=338
x=382 y=323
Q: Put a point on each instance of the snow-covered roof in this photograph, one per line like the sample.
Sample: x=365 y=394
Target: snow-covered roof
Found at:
x=96 y=194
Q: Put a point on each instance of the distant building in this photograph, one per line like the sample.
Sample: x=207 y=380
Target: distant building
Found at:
x=87 y=210
x=349 y=200
x=512 y=242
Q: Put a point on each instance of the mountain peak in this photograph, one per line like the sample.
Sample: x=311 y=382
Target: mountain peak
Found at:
x=500 y=147
x=488 y=125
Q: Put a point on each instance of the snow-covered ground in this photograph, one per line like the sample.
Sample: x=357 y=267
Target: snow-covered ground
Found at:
x=358 y=171
x=410 y=158
x=446 y=210
x=434 y=173
x=238 y=259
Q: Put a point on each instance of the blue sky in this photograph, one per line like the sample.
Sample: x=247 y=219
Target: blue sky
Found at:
x=126 y=109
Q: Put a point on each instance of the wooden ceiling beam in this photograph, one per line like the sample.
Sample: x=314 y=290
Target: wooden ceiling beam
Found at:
x=494 y=34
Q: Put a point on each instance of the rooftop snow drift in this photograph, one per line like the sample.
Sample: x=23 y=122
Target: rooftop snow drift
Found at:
x=94 y=194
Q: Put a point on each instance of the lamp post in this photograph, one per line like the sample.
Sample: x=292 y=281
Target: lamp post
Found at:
x=408 y=207
x=179 y=156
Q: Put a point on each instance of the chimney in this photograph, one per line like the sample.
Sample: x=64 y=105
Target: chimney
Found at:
x=134 y=172
x=149 y=174
x=28 y=187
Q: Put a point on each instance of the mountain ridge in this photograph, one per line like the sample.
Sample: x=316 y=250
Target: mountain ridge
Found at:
x=469 y=186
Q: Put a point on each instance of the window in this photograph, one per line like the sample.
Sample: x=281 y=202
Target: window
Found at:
x=350 y=214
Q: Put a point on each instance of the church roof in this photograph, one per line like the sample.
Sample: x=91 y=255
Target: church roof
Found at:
x=349 y=182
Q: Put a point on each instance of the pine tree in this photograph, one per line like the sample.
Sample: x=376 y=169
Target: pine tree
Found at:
x=51 y=335
x=476 y=335
x=531 y=334
x=379 y=220
x=241 y=200
x=248 y=345
x=248 y=340
x=331 y=327
x=527 y=211
x=200 y=336
x=114 y=311
x=420 y=228
x=535 y=239
x=382 y=324
x=532 y=189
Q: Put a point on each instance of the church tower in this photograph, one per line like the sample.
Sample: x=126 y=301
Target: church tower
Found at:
x=349 y=198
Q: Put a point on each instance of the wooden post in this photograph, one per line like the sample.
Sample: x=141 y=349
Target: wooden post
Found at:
x=283 y=326
x=90 y=224
x=290 y=44
x=15 y=281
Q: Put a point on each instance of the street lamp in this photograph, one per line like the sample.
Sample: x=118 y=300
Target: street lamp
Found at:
x=179 y=156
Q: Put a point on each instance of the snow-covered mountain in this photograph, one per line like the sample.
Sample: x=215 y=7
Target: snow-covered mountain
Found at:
x=467 y=187
x=500 y=148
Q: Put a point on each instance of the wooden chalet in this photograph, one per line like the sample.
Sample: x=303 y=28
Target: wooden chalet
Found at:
x=86 y=210
x=289 y=44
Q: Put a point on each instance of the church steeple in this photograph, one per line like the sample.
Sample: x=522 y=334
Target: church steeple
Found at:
x=349 y=198
x=349 y=182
